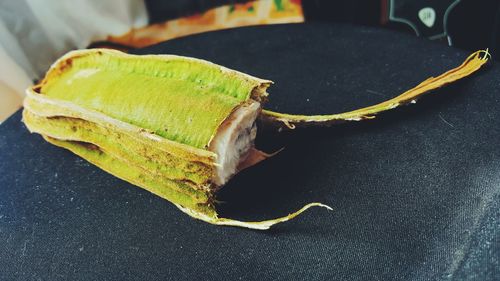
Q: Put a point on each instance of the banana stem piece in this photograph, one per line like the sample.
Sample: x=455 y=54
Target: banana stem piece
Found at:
x=178 y=127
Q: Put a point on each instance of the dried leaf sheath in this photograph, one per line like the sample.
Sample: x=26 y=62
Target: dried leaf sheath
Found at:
x=469 y=66
x=153 y=121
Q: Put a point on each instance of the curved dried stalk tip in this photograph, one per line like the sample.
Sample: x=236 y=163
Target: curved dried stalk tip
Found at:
x=473 y=63
x=258 y=225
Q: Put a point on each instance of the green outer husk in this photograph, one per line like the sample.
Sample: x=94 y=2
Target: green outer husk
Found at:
x=167 y=95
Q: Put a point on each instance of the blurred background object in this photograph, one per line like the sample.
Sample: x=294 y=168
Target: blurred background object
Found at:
x=168 y=21
x=35 y=33
x=470 y=24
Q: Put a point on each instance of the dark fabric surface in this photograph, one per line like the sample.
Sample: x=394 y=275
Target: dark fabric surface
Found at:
x=415 y=192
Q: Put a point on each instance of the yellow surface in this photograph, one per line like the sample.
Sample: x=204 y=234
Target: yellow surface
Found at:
x=229 y=16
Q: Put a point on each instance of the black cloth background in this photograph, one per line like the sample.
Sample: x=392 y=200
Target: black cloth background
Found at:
x=415 y=192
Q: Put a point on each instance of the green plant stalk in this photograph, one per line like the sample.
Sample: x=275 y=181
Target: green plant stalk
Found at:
x=151 y=120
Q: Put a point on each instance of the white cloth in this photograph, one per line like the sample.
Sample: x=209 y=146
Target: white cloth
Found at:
x=33 y=33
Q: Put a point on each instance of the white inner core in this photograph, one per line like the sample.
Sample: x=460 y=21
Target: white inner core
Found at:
x=235 y=137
